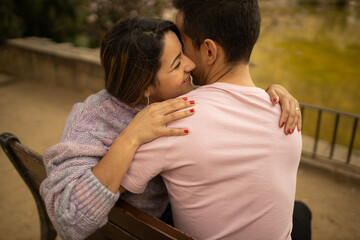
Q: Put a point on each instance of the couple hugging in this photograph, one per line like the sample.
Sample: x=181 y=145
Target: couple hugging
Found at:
x=223 y=155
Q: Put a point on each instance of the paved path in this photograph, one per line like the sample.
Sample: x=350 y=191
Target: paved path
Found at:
x=36 y=114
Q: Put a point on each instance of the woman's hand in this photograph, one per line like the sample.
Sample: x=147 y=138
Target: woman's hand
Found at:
x=150 y=123
x=291 y=114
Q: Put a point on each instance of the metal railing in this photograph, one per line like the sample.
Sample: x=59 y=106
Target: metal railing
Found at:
x=338 y=115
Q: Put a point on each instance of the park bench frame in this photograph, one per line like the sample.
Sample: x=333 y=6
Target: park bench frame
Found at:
x=125 y=221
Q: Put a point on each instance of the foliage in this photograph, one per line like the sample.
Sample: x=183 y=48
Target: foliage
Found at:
x=10 y=24
x=56 y=19
x=101 y=14
x=79 y=21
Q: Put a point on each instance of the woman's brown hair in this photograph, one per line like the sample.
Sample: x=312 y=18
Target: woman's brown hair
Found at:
x=130 y=55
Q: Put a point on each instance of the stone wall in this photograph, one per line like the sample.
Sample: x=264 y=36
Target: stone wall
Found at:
x=59 y=64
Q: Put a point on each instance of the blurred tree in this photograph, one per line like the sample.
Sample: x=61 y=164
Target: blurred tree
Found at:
x=79 y=21
x=101 y=14
x=10 y=24
x=56 y=19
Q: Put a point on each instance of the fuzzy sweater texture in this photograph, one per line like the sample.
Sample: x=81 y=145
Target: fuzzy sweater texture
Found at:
x=76 y=201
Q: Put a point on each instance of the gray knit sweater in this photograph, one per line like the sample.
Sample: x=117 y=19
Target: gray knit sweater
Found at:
x=77 y=203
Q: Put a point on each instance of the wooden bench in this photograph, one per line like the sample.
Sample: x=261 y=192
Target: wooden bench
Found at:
x=125 y=221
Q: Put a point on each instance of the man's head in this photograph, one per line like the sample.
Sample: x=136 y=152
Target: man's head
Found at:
x=232 y=24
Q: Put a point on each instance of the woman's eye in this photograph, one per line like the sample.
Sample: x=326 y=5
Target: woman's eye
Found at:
x=178 y=65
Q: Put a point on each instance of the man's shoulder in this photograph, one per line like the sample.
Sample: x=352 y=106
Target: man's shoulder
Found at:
x=220 y=87
x=230 y=103
x=224 y=93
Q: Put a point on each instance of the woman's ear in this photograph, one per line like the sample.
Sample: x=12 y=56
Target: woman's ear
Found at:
x=149 y=90
x=147 y=93
x=209 y=50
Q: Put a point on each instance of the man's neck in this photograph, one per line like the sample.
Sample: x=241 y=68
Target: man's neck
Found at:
x=238 y=75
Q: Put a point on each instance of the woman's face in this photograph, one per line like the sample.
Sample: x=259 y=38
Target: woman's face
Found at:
x=173 y=77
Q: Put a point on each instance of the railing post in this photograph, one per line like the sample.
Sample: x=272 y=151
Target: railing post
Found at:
x=334 y=135
x=317 y=132
x=302 y=109
x=352 y=141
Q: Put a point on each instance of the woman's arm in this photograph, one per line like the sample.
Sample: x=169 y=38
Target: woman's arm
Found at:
x=78 y=200
x=291 y=114
x=148 y=125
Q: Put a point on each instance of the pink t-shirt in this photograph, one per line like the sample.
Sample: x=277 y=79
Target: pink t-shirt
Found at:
x=234 y=175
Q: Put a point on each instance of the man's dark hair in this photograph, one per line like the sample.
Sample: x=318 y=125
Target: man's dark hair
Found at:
x=234 y=24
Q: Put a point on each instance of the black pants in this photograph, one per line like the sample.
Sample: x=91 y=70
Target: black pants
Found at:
x=167 y=216
x=301 y=221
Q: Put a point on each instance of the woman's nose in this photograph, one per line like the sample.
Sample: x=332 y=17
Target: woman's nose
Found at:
x=190 y=65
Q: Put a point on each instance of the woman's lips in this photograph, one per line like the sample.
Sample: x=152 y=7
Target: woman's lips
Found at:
x=188 y=80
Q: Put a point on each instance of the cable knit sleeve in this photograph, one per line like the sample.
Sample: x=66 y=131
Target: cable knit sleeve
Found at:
x=76 y=201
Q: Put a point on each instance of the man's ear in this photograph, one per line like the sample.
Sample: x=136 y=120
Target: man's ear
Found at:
x=210 y=51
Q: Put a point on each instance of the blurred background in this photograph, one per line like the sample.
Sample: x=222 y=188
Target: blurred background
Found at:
x=312 y=47
x=78 y=21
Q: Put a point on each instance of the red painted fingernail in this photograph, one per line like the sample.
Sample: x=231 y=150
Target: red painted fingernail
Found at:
x=299 y=129
x=192 y=110
x=192 y=102
x=292 y=130
x=185 y=98
x=186 y=131
x=288 y=131
x=282 y=124
x=275 y=99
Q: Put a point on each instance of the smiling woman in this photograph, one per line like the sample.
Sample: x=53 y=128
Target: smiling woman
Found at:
x=175 y=66
x=140 y=57
x=132 y=53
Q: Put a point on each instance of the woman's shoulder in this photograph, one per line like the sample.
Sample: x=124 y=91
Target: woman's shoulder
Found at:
x=82 y=112
x=101 y=105
x=100 y=113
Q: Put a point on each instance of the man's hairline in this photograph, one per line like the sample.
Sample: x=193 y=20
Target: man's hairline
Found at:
x=182 y=32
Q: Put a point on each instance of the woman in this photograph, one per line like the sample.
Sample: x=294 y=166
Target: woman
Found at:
x=101 y=135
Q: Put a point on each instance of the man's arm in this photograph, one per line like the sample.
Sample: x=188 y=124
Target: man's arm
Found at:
x=148 y=162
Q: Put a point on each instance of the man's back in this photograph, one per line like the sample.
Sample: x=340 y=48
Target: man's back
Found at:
x=234 y=175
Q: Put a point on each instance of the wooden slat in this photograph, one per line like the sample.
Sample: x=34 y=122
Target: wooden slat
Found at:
x=32 y=161
x=111 y=231
x=169 y=231
x=136 y=227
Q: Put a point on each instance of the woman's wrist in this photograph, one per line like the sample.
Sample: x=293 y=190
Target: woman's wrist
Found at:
x=113 y=166
x=131 y=138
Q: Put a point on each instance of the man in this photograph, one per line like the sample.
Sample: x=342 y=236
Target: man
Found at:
x=234 y=175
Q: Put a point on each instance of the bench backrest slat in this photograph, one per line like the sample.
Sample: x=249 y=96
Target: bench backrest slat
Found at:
x=30 y=162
